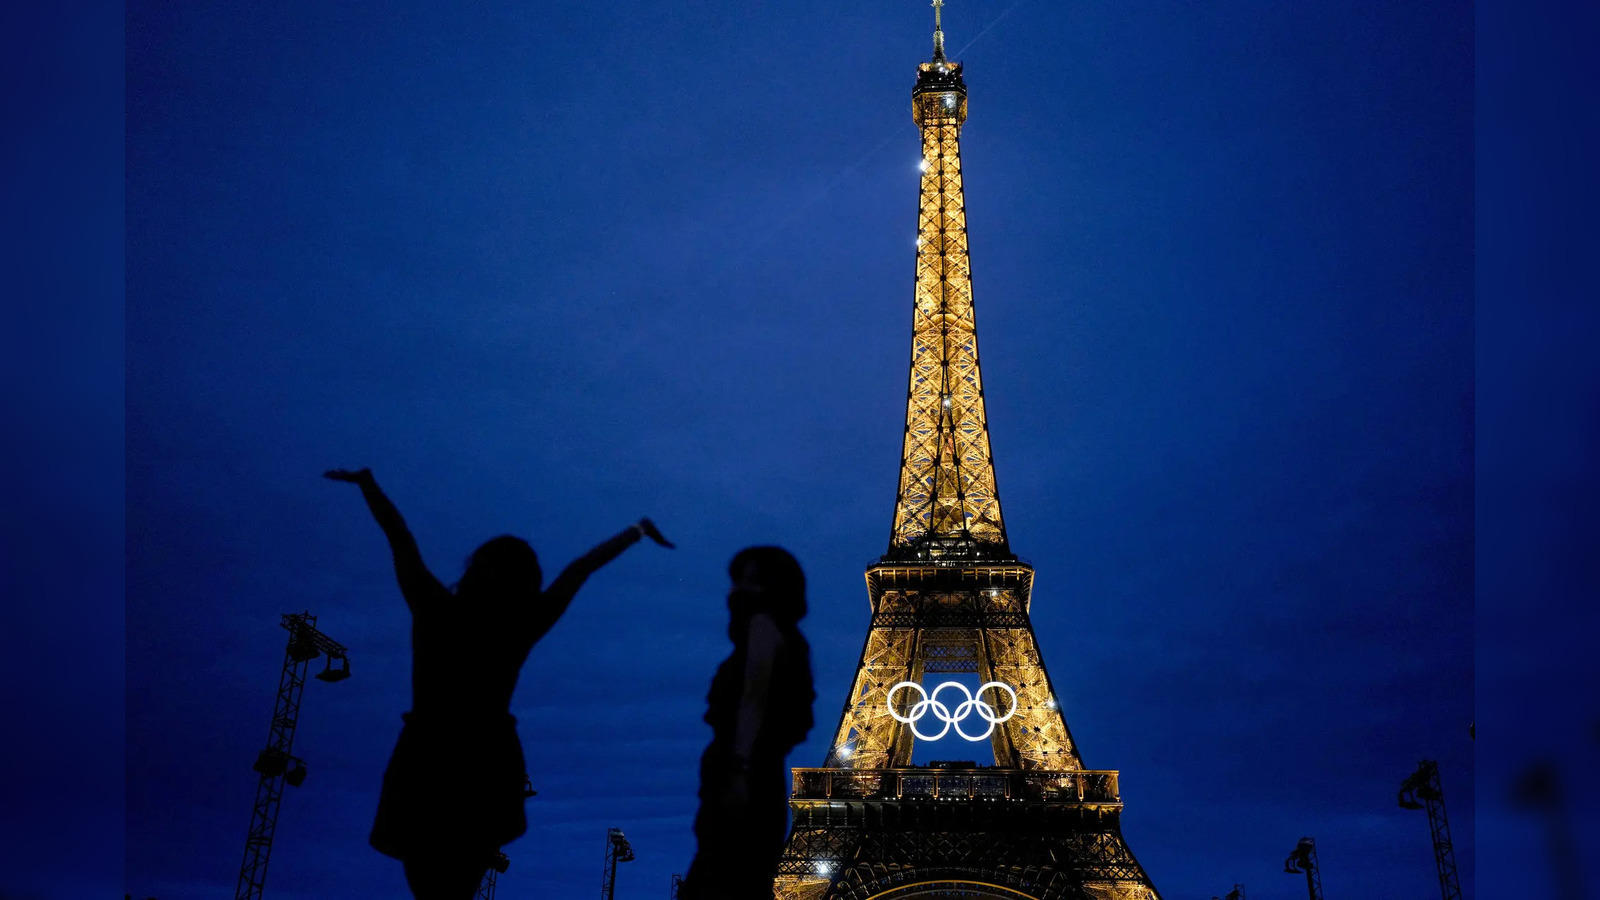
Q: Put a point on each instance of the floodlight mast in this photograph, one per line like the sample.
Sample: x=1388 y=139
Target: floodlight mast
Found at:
x=618 y=850
x=486 y=887
x=1423 y=785
x=275 y=764
x=1304 y=859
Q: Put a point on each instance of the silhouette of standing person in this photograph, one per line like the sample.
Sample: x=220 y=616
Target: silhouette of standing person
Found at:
x=758 y=708
x=454 y=789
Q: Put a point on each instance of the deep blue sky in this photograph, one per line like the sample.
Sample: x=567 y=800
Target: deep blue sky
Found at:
x=546 y=270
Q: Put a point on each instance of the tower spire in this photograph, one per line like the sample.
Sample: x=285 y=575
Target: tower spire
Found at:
x=938 y=32
x=947 y=505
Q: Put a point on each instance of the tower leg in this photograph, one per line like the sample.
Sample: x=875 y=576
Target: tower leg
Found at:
x=868 y=736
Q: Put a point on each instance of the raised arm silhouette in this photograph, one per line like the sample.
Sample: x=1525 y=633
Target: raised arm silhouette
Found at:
x=453 y=791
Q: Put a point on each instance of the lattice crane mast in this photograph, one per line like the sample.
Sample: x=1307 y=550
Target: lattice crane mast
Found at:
x=498 y=867
x=275 y=764
x=1304 y=859
x=618 y=850
x=1423 y=785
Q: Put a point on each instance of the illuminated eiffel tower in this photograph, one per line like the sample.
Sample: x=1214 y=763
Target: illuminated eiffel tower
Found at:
x=949 y=596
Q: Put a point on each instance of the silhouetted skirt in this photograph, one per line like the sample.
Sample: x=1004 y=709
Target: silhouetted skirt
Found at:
x=453 y=785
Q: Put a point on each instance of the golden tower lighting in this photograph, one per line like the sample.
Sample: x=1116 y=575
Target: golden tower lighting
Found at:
x=949 y=597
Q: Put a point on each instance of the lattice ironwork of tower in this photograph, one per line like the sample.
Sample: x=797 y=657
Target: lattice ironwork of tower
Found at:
x=1422 y=790
x=1303 y=859
x=949 y=596
x=276 y=765
x=486 y=887
x=618 y=850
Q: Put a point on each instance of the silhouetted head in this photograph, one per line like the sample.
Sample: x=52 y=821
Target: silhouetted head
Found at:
x=766 y=580
x=504 y=566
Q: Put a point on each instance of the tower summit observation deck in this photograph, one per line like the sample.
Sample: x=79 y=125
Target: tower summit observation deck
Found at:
x=949 y=597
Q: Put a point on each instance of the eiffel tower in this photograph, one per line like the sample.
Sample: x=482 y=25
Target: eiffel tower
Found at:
x=949 y=596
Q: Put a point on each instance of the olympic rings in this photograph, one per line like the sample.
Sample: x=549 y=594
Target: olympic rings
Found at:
x=972 y=704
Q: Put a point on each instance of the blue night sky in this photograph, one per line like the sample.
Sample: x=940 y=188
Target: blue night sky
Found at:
x=546 y=270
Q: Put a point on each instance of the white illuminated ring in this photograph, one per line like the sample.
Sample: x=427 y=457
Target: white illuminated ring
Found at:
x=919 y=709
x=973 y=703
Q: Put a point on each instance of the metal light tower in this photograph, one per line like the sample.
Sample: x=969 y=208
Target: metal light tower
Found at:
x=1304 y=859
x=498 y=867
x=275 y=764
x=618 y=850
x=1423 y=785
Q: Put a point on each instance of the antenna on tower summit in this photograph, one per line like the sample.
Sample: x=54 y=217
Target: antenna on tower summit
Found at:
x=938 y=32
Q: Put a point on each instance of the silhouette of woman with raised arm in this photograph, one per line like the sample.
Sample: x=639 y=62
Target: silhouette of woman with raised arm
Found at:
x=758 y=708
x=454 y=789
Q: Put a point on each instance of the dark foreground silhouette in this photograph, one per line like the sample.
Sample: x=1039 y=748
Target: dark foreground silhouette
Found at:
x=759 y=708
x=454 y=789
